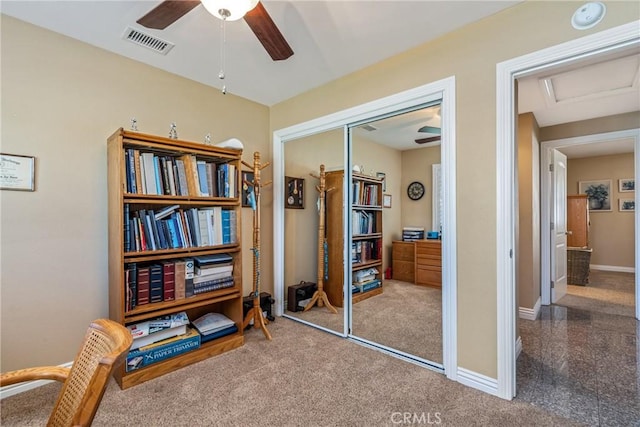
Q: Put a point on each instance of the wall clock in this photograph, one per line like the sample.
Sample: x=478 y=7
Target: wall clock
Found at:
x=415 y=191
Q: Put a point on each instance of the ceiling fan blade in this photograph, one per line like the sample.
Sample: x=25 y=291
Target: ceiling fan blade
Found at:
x=429 y=129
x=166 y=13
x=268 y=33
x=428 y=140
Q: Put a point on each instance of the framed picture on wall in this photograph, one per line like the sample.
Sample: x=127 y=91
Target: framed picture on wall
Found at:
x=247 y=190
x=17 y=172
x=293 y=192
x=626 y=205
x=599 y=193
x=626 y=185
x=386 y=200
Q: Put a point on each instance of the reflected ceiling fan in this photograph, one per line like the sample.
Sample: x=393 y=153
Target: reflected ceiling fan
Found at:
x=169 y=11
x=433 y=130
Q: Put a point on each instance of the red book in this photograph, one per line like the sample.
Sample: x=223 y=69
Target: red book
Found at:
x=143 y=285
x=169 y=280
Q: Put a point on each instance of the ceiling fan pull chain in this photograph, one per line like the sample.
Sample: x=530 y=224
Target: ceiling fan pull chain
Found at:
x=222 y=52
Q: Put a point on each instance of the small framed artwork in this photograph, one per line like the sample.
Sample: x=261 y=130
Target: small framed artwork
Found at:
x=382 y=176
x=599 y=193
x=247 y=189
x=293 y=192
x=386 y=200
x=626 y=185
x=626 y=205
x=17 y=172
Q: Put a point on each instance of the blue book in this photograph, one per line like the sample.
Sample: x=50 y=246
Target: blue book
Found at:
x=156 y=168
x=155 y=283
x=202 y=178
x=219 y=334
x=226 y=226
x=162 y=350
x=173 y=233
x=212 y=259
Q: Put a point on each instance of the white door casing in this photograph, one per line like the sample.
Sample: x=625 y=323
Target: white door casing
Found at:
x=559 y=226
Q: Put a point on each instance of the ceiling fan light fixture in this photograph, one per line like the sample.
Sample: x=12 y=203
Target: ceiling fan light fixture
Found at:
x=229 y=10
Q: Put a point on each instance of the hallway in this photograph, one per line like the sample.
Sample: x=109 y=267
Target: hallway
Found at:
x=581 y=360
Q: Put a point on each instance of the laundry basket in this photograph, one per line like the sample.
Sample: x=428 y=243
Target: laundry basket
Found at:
x=578 y=260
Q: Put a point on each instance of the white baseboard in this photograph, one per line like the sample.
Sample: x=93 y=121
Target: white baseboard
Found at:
x=518 y=347
x=617 y=268
x=12 y=390
x=530 y=313
x=478 y=381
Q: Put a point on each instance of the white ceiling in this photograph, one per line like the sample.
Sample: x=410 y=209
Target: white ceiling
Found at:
x=331 y=39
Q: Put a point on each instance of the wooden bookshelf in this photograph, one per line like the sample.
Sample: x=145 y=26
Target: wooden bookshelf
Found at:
x=123 y=252
x=367 y=230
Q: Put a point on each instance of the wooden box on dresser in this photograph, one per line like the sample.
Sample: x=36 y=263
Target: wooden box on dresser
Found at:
x=429 y=263
x=131 y=198
x=366 y=218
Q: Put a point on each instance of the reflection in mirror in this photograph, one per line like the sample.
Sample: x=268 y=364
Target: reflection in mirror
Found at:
x=302 y=248
x=407 y=314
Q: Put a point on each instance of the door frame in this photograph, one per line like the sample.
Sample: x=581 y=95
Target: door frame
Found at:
x=545 y=215
x=445 y=90
x=620 y=37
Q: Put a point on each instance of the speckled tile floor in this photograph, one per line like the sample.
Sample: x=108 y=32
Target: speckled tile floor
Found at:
x=583 y=363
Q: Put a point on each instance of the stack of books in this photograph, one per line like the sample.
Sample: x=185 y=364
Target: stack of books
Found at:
x=365 y=280
x=158 y=329
x=411 y=234
x=212 y=272
x=214 y=325
x=162 y=350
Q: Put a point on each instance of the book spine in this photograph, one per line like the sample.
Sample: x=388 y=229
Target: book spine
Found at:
x=143 y=285
x=211 y=288
x=127 y=228
x=202 y=178
x=169 y=281
x=188 y=277
x=138 y=171
x=155 y=283
x=212 y=282
x=180 y=280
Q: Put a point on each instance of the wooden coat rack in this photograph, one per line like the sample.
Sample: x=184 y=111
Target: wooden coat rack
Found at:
x=255 y=312
x=320 y=296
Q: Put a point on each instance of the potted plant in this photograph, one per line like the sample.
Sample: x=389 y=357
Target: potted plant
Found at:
x=597 y=195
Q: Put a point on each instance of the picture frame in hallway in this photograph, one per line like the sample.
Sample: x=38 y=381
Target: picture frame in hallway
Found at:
x=599 y=192
x=294 y=192
x=626 y=205
x=626 y=185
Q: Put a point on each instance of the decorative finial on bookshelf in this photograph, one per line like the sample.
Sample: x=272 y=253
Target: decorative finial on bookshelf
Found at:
x=173 y=131
x=134 y=124
x=207 y=139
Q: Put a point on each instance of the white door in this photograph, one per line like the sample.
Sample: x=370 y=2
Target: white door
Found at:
x=558 y=226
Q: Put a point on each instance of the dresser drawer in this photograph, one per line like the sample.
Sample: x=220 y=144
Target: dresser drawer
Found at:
x=429 y=276
x=431 y=260
x=403 y=270
x=403 y=251
x=428 y=248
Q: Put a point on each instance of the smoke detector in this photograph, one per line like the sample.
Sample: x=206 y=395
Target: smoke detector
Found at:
x=588 y=15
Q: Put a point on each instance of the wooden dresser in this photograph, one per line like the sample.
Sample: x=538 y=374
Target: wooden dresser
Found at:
x=403 y=266
x=429 y=263
x=418 y=262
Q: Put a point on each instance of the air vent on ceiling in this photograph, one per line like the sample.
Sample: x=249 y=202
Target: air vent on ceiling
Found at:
x=369 y=128
x=138 y=37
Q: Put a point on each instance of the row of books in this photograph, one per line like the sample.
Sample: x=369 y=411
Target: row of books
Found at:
x=363 y=222
x=411 y=234
x=364 y=194
x=167 y=342
x=185 y=175
x=367 y=250
x=174 y=228
x=175 y=279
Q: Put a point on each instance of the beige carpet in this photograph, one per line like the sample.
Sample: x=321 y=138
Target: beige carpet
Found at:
x=304 y=377
x=404 y=317
x=607 y=292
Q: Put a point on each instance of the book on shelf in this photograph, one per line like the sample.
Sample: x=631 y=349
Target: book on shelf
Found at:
x=155 y=283
x=211 y=260
x=143 y=285
x=168 y=280
x=367 y=286
x=179 y=278
x=158 y=329
x=214 y=270
x=189 y=272
x=162 y=350
x=211 y=322
x=213 y=285
x=131 y=280
x=219 y=334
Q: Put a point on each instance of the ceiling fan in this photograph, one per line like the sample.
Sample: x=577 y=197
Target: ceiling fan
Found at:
x=434 y=130
x=169 y=11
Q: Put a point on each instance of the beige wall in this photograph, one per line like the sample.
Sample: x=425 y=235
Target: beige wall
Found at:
x=591 y=126
x=611 y=234
x=471 y=55
x=417 y=166
x=61 y=99
x=528 y=270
